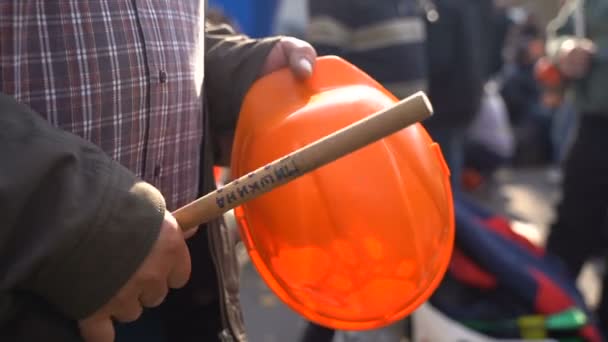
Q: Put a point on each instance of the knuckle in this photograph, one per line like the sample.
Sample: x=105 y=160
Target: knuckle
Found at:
x=157 y=300
x=172 y=238
x=150 y=276
x=131 y=314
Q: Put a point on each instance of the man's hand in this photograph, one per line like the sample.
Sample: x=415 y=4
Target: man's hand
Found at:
x=575 y=57
x=167 y=266
x=297 y=54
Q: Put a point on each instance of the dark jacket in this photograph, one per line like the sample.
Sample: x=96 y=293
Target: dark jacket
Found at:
x=386 y=39
x=65 y=209
x=456 y=71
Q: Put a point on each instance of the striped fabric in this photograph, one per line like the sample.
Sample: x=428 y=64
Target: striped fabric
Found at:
x=384 y=38
x=124 y=74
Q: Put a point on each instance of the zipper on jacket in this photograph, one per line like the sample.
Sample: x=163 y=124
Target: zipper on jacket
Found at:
x=220 y=283
x=214 y=227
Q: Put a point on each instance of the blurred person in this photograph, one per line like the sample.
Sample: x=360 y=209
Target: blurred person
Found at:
x=577 y=41
x=107 y=128
x=456 y=76
x=528 y=103
x=480 y=27
x=524 y=46
x=432 y=45
x=520 y=89
x=502 y=24
x=385 y=38
x=489 y=16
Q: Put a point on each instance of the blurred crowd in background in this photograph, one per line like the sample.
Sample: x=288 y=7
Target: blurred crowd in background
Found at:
x=475 y=59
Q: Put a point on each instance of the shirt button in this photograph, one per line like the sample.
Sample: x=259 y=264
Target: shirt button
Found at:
x=157 y=171
x=162 y=75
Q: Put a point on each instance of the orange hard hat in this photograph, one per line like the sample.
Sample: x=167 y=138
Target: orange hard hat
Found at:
x=363 y=241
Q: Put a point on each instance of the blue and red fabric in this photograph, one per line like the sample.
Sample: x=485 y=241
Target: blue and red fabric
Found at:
x=496 y=273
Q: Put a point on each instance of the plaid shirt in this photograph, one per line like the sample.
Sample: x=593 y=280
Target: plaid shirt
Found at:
x=124 y=74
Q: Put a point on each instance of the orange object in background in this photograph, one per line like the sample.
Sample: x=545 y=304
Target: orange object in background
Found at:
x=217 y=174
x=359 y=243
x=547 y=73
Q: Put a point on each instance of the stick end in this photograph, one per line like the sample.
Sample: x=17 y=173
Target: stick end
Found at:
x=426 y=102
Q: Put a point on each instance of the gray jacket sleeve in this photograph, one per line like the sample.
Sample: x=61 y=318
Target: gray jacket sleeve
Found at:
x=232 y=63
x=75 y=225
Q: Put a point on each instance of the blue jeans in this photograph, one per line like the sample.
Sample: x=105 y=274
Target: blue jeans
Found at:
x=563 y=131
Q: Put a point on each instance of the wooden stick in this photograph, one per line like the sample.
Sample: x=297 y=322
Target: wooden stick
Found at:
x=308 y=158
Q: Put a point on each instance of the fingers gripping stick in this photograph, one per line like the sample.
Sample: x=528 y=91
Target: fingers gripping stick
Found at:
x=308 y=158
